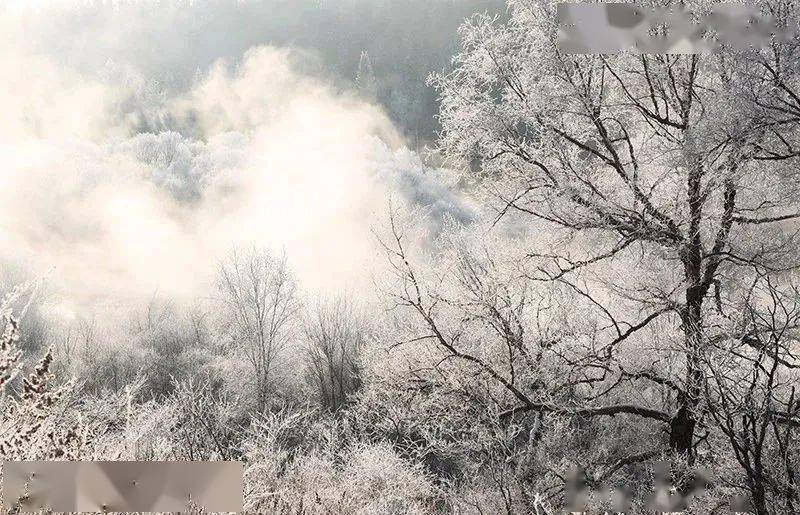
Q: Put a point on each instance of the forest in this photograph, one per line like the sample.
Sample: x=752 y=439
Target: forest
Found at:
x=406 y=267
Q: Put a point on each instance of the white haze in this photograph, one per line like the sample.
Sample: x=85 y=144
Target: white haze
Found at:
x=260 y=155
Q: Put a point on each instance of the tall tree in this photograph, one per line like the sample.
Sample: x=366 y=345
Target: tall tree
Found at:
x=670 y=183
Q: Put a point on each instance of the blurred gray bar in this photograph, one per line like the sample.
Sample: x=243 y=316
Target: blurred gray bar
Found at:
x=120 y=486
x=609 y=28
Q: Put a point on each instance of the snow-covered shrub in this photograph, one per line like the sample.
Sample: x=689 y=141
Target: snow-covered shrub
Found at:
x=378 y=480
x=31 y=425
x=132 y=429
x=303 y=463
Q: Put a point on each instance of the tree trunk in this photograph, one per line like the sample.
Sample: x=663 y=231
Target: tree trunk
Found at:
x=683 y=423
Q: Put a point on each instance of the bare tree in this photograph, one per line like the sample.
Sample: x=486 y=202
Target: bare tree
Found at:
x=751 y=393
x=259 y=299
x=682 y=165
x=75 y=344
x=508 y=353
x=335 y=333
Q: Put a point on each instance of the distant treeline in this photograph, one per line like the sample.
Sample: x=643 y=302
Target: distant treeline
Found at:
x=174 y=40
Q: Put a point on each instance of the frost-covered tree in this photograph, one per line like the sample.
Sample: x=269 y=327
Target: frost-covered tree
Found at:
x=752 y=395
x=661 y=186
x=258 y=295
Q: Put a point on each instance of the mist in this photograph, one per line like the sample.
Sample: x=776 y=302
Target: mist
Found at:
x=129 y=170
